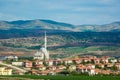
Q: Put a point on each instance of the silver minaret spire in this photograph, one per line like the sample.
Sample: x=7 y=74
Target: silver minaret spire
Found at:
x=46 y=53
x=45 y=44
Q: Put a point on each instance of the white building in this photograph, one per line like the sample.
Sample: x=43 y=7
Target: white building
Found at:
x=17 y=63
x=5 y=71
x=90 y=71
x=11 y=57
x=42 y=54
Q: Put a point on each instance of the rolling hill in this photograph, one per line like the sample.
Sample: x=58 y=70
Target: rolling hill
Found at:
x=53 y=25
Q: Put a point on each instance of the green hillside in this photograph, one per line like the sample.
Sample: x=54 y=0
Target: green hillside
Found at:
x=64 y=43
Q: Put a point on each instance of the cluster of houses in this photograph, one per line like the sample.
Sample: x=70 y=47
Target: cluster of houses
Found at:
x=86 y=64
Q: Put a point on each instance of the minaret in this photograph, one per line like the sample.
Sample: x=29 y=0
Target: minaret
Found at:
x=45 y=47
x=45 y=44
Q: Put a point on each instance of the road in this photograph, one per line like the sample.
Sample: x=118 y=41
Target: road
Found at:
x=13 y=67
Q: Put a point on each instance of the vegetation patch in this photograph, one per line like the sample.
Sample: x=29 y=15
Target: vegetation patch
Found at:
x=67 y=77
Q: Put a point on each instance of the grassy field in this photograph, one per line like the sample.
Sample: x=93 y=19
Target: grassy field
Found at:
x=91 y=50
x=64 y=52
x=34 y=77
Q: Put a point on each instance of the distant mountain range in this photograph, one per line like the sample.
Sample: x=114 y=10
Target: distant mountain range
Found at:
x=53 y=25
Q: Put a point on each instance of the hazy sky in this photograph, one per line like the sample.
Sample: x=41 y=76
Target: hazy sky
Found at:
x=70 y=11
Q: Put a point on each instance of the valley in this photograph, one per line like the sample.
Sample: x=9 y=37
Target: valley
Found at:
x=64 y=44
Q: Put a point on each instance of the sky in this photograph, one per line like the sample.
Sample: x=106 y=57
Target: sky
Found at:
x=76 y=12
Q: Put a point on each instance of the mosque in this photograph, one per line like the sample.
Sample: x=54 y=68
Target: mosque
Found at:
x=42 y=54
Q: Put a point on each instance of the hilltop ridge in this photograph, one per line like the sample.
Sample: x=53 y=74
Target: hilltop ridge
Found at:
x=54 y=25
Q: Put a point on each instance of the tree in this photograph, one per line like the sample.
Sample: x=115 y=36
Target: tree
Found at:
x=114 y=68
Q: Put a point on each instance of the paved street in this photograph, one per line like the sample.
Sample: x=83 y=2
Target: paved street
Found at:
x=13 y=67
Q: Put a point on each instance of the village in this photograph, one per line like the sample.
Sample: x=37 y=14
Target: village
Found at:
x=91 y=65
